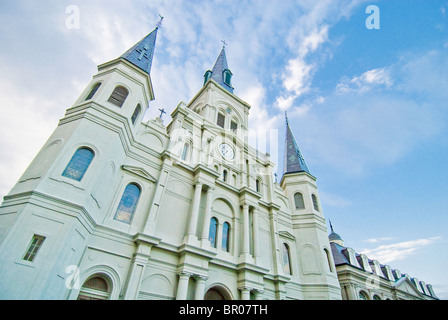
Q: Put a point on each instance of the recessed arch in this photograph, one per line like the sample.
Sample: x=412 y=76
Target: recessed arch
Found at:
x=218 y=291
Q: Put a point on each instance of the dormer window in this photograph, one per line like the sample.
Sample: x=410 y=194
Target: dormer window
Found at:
x=207 y=76
x=227 y=77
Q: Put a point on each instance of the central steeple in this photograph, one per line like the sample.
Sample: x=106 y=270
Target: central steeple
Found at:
x=221 y=72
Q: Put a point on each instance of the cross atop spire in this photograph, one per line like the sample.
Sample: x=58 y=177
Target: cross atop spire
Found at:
x=294 y=161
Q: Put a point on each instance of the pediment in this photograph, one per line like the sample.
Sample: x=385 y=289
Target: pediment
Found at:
x=287 y=235
x=140 y=172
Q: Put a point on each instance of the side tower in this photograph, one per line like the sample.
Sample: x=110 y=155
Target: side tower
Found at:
x=317 y=271
x=72 y=189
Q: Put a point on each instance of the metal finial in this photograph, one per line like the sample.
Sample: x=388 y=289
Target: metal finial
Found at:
x=286 y=116
x=224 y=43
x=159 y=24
x=331 y=226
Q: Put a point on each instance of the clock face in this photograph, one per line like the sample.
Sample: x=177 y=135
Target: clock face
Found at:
x=226 y=151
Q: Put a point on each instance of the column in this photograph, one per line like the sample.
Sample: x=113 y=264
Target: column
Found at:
x=245 y=293
x=255 y=233
x=191 y=234
x=246 y=230
x=207 y=216
x=258 y=294
x=200 y=288
x=182 y=287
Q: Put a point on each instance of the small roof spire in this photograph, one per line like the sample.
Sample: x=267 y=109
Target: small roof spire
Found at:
x=294 y=161
x=221 y=72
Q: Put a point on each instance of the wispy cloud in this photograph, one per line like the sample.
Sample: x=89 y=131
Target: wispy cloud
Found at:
x=367 y=81
x=398 y=251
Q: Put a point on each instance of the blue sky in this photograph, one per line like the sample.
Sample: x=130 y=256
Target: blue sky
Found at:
x=368 y=107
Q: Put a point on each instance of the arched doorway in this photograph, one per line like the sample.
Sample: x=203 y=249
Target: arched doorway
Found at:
x=95 y=288
x=217 y=293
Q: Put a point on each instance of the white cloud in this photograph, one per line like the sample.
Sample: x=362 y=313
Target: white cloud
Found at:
x=398 y=251
x=367 y=81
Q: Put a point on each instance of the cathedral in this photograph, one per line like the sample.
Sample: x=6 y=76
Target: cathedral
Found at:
x=114 y=208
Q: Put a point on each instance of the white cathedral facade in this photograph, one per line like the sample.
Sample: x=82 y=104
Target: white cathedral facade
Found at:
x=115 y=208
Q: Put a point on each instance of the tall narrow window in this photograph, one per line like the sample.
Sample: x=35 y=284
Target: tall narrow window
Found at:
x=315 y=204
x=118 y=96
x=233 y=126
x=128 y=203
x=213 y=230
x=79 y=164
x=136 y=113
x=298 y=200
x=221 y=120
x=33 y=248
x=185 y=151
x=258 y=185
x=226 y=237
x=93 y=91
x=327 y=253
x=224 y=175
x=286 y=260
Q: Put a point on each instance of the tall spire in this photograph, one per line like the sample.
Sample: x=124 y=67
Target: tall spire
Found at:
x=294 y=161
x=141 y=54
x=221 y=72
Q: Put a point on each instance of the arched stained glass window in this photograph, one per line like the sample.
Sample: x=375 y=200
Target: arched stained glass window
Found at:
x=226 y=237
x=362 y=296
x=118 y=96
x=93 y=91
x=128 y=203
x=79 y=164
x=136 y=113
x=298 y=200
x=286 y=260
x=94 y=289
x=213 y=232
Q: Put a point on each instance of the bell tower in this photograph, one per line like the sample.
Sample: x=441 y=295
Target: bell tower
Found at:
x=316 y=264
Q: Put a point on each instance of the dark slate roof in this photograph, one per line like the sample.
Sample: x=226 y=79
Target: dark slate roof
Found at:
x=339 y=254
x=294 y=161
x=141 y=54
x=218 y=70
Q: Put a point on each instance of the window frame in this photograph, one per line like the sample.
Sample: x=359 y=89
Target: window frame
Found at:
x=94 y=89
x=214 y=222
x=71 y=162
x=135 y=205
x=33 y=248
x=112 y=99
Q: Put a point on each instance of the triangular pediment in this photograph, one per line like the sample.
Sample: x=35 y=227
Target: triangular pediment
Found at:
x=287 y=235
x=140 y=172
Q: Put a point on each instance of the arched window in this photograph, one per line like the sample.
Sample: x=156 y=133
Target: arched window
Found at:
x=362 y=296
x=118 y=96
x=298 y=200
x=128 y=203
x=136 y=113
x=315 y=204
x=95 y=288
x=221 y=120
x=328 y=260
x=213 y=230
x=93 y=91
x=185 y=151
x=376 y=297
x=79 y=164
x=257 y=185
x=226 y=237
x=286 y=260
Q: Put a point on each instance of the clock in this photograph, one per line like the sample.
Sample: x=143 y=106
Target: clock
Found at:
x=226 y=151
